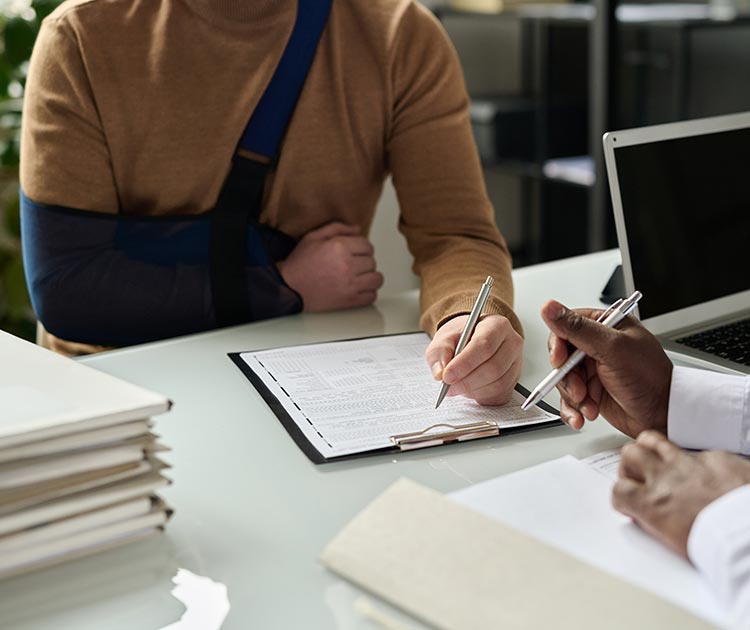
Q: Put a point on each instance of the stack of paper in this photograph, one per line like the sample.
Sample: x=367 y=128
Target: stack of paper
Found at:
x=79 y=462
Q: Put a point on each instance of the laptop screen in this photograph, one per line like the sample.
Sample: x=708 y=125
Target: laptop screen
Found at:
x=686 y=205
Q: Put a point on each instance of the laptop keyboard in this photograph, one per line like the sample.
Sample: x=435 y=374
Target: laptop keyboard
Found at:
x=731 y=341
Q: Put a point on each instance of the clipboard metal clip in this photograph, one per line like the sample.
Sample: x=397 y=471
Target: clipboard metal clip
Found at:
x=455 y=433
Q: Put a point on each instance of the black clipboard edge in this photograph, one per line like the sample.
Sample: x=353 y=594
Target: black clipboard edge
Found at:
x=313 y=454
x=316 y=457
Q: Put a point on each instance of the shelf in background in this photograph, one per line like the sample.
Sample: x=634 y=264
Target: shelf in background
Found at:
x=577 y=170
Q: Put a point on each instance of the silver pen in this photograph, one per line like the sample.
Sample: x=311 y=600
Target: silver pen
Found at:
x=468 y=330
x=610 y=318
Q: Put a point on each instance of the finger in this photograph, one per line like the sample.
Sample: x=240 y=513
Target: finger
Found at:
x=596 y=389
x=487 y=338
x=491 y=371
x=571 y=416
x=659 y=444
x=497 y=392
x=625 y=471
x=440 y=350
x=586 y=408
x=579 y=328
x=573 y=387
x=638 y=463
x=590 y=406
x=368 y=282
x=331 y=230
x=362 y=264
x=559 y=350
x=627 y=497
x=589 y=409
x=357 y=245
x=362 y=298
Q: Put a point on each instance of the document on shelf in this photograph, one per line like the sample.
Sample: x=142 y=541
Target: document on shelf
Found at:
x=351 y=397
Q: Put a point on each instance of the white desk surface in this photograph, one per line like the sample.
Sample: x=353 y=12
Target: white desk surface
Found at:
x=251 y=511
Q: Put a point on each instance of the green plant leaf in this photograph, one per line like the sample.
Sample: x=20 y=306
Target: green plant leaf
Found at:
x=18 y=36
x=18 y=305
x=10 y=152
x=6 y=76
x=12 y=217
x=44 y=7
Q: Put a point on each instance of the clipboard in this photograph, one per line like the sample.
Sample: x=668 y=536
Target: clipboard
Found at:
x=438 y=434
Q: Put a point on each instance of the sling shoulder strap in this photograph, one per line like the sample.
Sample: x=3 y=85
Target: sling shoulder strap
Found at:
x=239 y=203
x=271 y=117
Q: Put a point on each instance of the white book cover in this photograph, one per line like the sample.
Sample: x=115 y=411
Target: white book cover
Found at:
x=15 y=499
x=40 y=469
x=44 y=395
x=75 y=441
x=82 y=502
x=84 y=543
x=73 y=525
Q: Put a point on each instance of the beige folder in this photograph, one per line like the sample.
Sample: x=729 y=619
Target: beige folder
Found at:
x=460 y=570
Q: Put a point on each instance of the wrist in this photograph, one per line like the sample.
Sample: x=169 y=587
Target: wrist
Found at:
x=661 y=421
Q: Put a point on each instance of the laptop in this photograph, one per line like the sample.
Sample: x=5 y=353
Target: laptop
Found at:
x=681 y=197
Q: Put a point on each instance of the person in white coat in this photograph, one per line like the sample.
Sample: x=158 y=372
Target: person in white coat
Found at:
x=699 y=505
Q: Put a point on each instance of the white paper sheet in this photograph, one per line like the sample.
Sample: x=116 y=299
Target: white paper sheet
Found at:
x=352 y=396
x=567 y=504
x=606 y=462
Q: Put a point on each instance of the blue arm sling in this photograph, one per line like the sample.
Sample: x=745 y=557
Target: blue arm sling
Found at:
x=119 y=280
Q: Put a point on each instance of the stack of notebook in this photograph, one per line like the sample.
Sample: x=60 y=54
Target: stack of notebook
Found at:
x=79 y=461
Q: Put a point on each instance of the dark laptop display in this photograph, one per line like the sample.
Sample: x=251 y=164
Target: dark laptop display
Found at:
x=686 y=206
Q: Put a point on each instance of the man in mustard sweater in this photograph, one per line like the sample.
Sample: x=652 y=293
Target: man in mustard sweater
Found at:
x=133 y=109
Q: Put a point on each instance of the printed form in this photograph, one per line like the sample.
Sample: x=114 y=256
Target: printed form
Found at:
x=350 y=397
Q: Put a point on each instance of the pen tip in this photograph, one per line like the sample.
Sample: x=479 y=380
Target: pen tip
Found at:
x=441 y=395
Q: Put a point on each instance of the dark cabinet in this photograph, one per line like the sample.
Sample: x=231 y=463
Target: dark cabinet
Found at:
x=529 y=74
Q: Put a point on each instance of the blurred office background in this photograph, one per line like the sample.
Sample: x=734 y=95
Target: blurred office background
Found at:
x=545 y=80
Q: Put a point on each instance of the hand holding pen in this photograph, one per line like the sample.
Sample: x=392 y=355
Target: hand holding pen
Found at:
x=609 y=318
x=468 y=330
x=489 y=365
x=625 y=375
